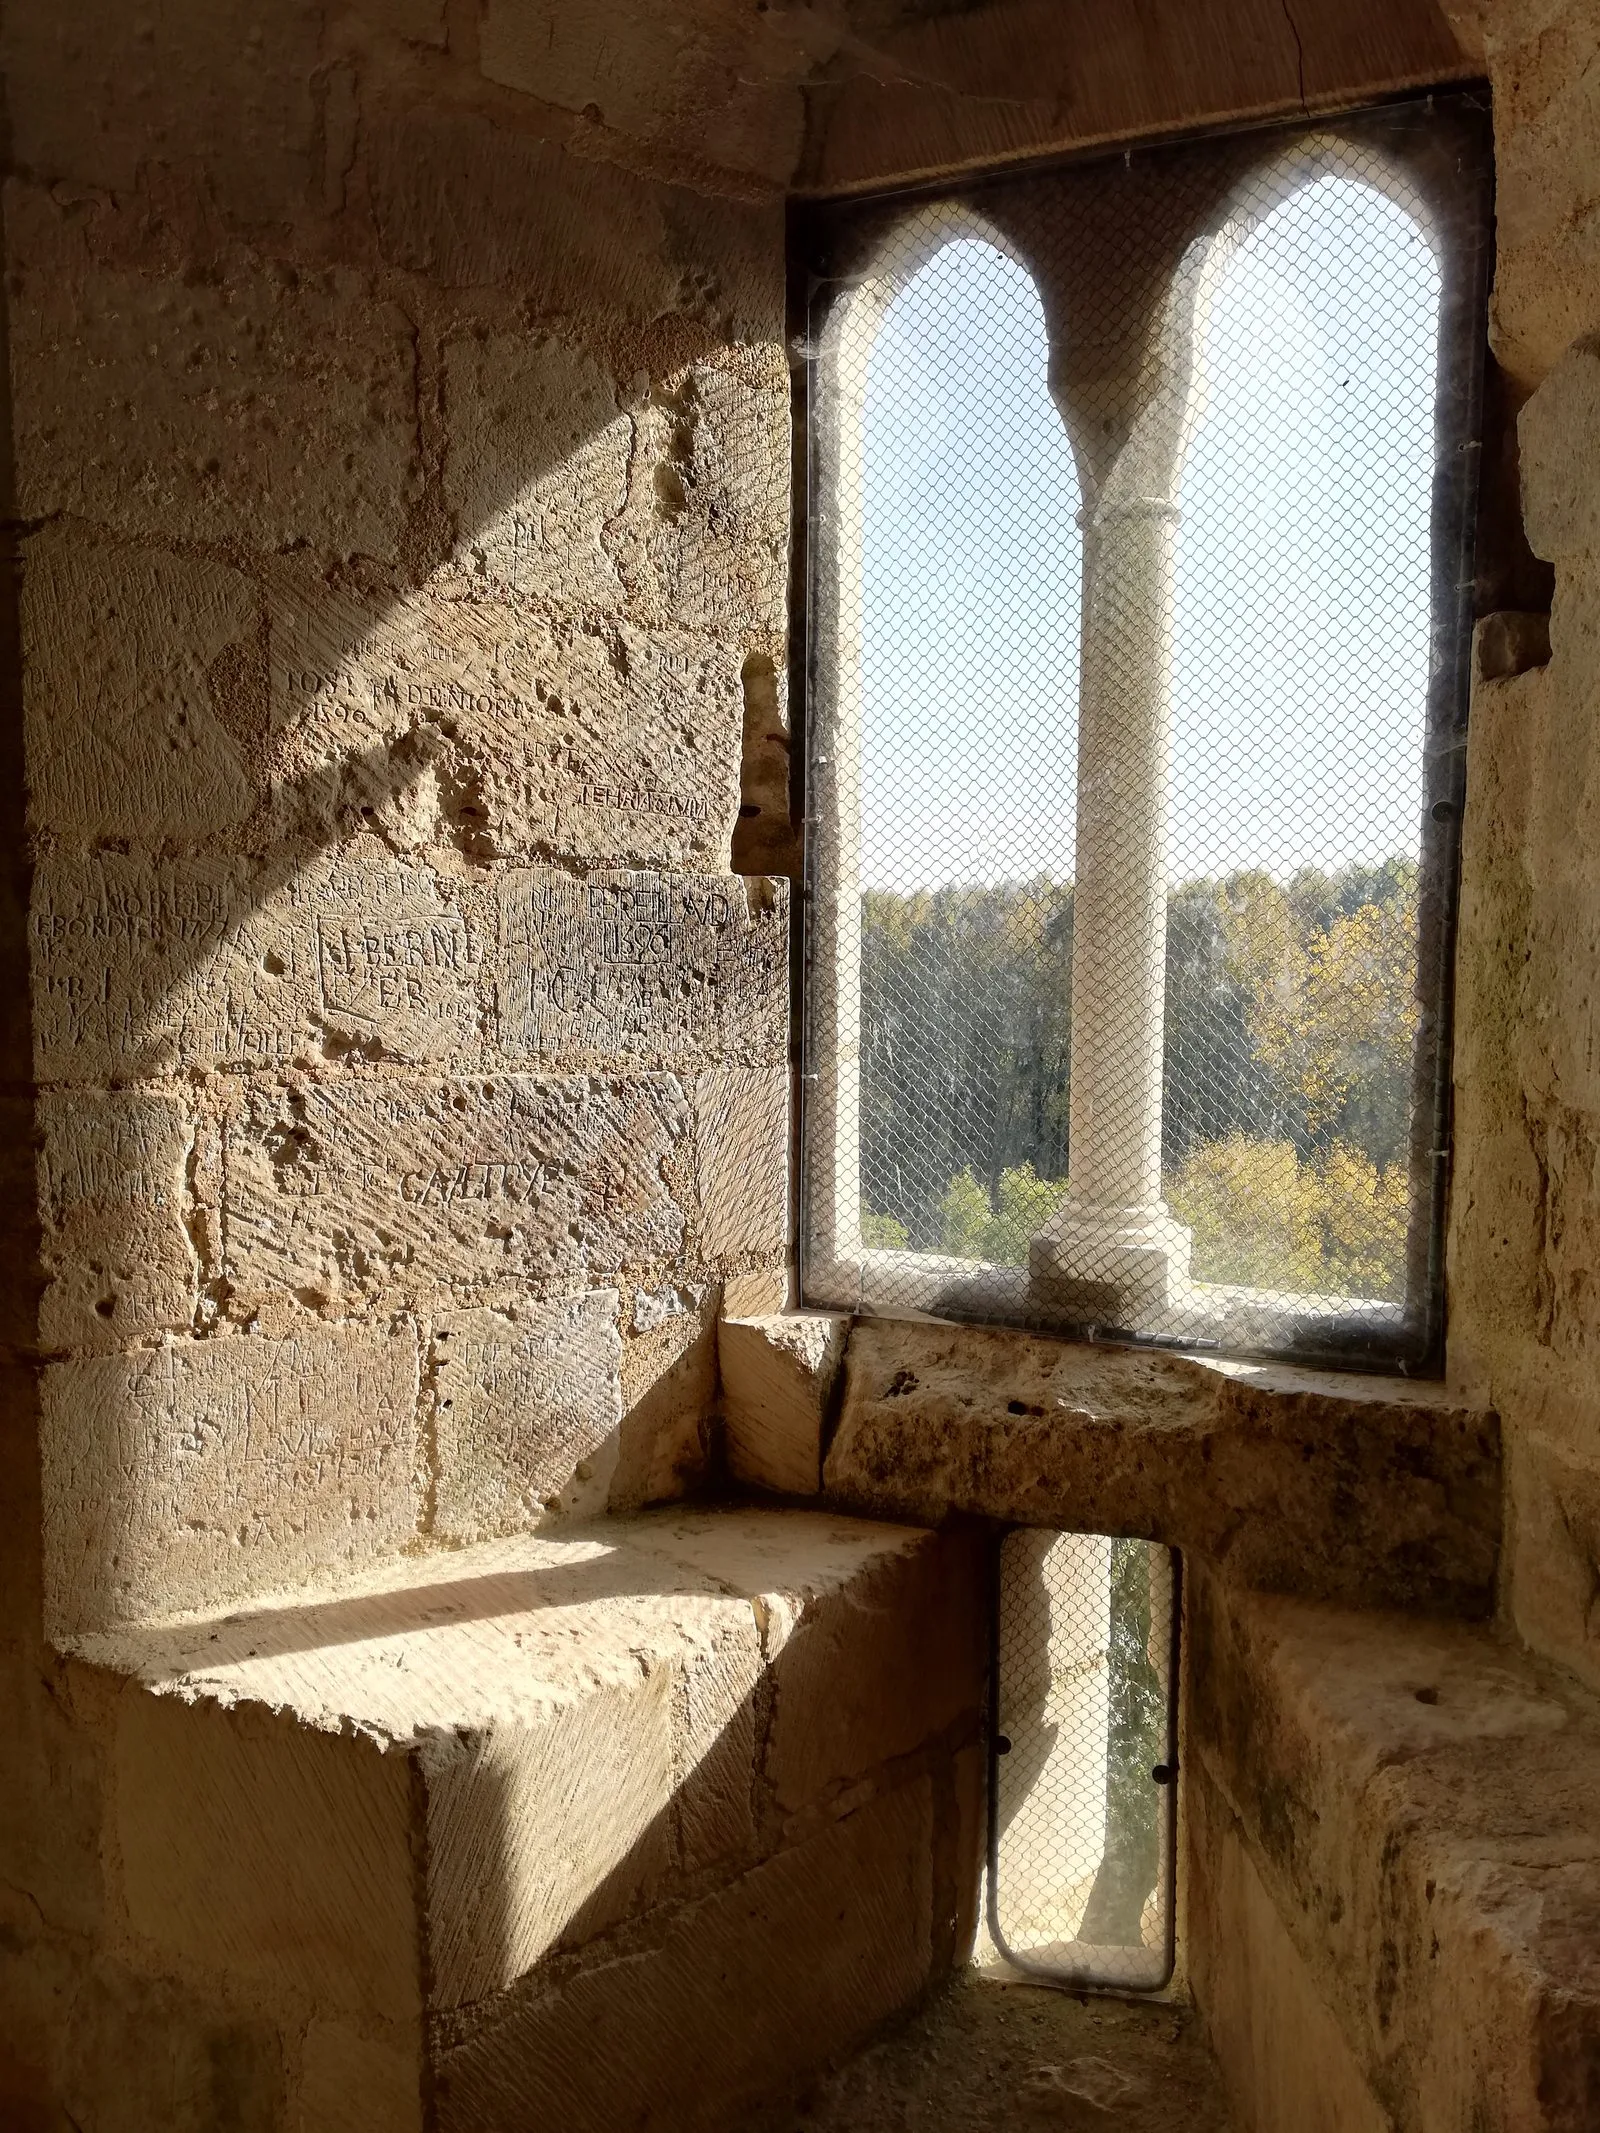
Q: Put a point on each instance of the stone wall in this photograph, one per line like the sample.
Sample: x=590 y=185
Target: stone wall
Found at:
x=403 y=485
x=1524 y=1309
x=396 y=1068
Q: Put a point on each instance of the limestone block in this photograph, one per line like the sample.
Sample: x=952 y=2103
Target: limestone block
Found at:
x=140 y=966
x=256 y=408
x=468 y=204
x=1553 y=1548
x=1282 y=2055
x=1559 y=435
x=1541 y=60
x=1418 y=1801
x=669 y=1393
x=574 y=1814
x=756 y=1295
x=742 y=1158
x=351 y=2083
x=1379 y=1491
x=636 y=965
x=845 y=1701
x=820 y=1944
x=717 y=1745
x=602 y=742
x=1509 y=643
x=706 y=539
x=127 y=660
x=351 y=1185
x=268 y=1853
x=115 y=1244
x=716 y=84
x=102 y=91
x=527 y=1406
x=203 y=1469
x=518 y=1762
x=537 y=465
x=779 y=1377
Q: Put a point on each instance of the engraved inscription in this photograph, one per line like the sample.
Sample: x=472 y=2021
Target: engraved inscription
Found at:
x=200 y=1469
x=142 y=967
x=642 y=964
x=352 y=1186
x=525 y=1407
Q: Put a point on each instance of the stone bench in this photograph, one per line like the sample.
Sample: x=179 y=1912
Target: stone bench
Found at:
x=502 y=1827
x=1394 y=1888
x=1372 y=1490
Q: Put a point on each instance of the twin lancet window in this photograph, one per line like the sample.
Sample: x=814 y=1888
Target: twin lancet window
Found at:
x=1139 y=512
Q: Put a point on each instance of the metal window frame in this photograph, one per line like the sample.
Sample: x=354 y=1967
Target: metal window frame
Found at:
x=1047 y=1973
x=830 y=240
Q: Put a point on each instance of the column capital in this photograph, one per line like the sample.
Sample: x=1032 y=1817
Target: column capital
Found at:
x=1134 y=507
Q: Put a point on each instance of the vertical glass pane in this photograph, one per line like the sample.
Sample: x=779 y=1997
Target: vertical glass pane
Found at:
x=970 y=570
x=1301 y=675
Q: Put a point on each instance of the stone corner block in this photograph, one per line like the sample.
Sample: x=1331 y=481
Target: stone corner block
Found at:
x=780 y=1373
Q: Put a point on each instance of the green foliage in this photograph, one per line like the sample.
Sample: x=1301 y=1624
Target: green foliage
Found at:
x=1266 y=1217
x=972 y=1229
x=883 y=1232
x=1291 y=1019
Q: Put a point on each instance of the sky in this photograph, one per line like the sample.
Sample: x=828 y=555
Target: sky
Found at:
x=1300 y=648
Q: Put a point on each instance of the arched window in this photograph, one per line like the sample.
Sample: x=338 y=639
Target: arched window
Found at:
x=1138 y=517
x=1302 y=640
x=970 y=573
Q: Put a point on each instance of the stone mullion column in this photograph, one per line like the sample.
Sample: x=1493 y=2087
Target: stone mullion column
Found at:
x=1112 y=1250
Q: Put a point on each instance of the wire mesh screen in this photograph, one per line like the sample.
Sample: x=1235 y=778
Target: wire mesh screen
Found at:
x=1084 y=1765
x=1138 y=516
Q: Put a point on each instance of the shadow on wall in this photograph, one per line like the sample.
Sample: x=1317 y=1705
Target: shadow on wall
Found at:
x=745 y=1832
x=394 y=568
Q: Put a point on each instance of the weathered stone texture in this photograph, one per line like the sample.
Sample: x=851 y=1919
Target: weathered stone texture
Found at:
x=600 y=741
x=203 y=1469
x=629 y=966
x=1373 y=1491
x=514 y=1765
x=468 y=203
x=823 y=1943
x=129 y=655
x=257 y=407
x=527 y=1405
x=1524 y=1226
x=1540 y=57
x=669 y=1391
x=742 y=1162
x=716 y=80
x=537 y=466
x=706 y=544
x=141 y=966
x=779 y=1377
x=1282 y=2054
x=169 y=84
x=348 y=1186
x=1418 y=1800
x=115 y=1244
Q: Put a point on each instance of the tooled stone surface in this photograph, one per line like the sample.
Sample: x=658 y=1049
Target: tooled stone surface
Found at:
x=1419 y=1800
x=506 y=1754
x=1363 y=1489
x=141 y=965
x=344 y=1185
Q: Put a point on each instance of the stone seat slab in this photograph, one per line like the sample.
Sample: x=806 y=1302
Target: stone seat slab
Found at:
x=1366 y=1490
x=519 y=1775
x=1418 y=1800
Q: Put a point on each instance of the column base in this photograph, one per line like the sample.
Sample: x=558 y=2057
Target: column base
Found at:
x=1114 y=1266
